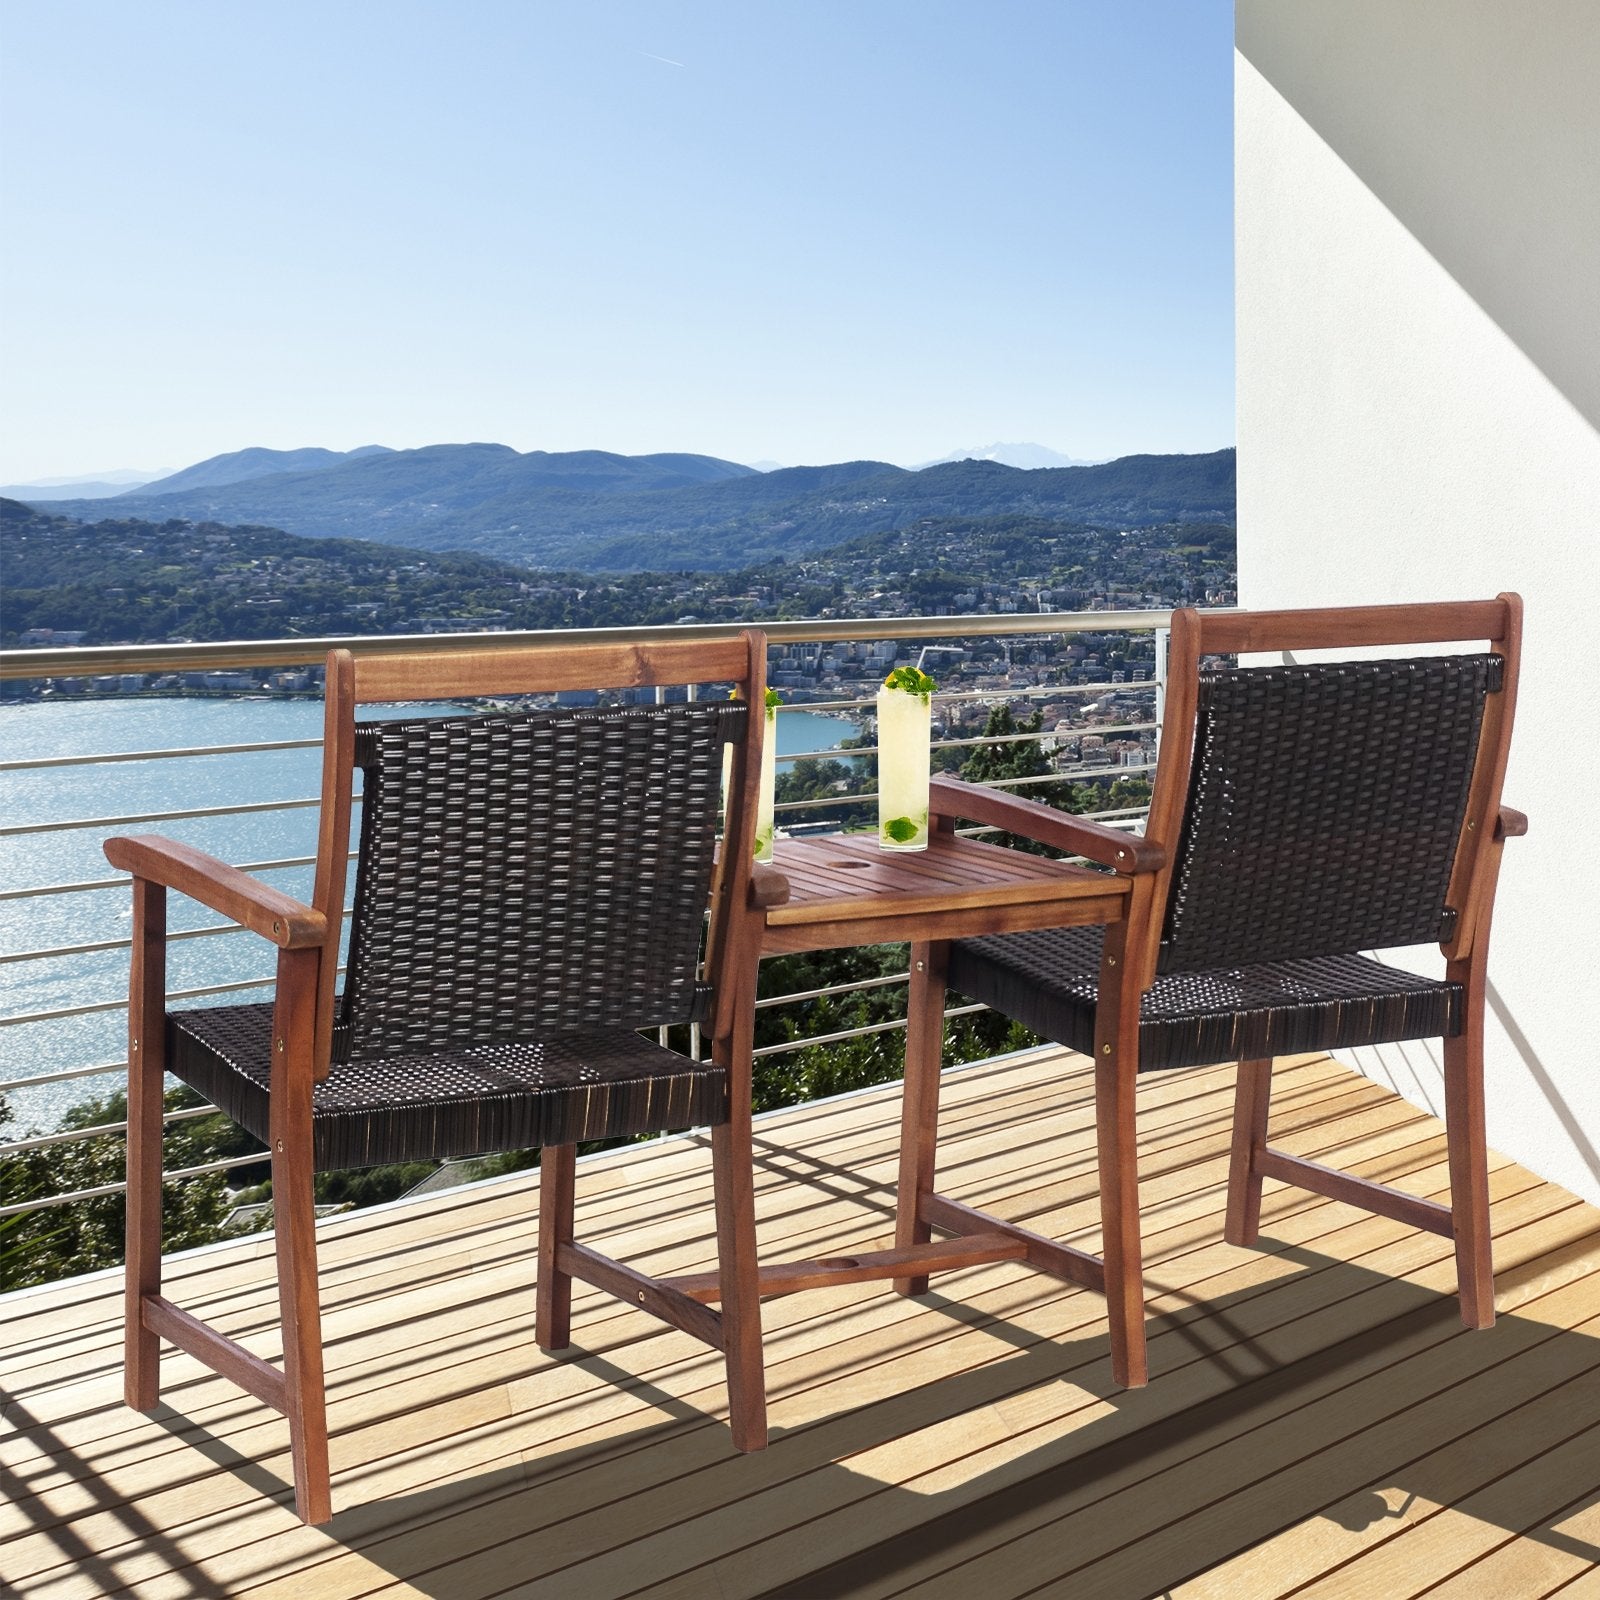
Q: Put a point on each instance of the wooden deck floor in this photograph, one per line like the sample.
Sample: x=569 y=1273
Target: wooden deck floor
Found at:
x=1317 y=1423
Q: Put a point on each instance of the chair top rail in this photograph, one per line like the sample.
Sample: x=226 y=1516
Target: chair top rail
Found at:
x=1337 y=627
x=548 y=666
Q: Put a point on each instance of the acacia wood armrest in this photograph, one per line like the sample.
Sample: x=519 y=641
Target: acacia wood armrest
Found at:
x=235 y=894
x=1122 y=852
x=1510 y=824
x=768 y=886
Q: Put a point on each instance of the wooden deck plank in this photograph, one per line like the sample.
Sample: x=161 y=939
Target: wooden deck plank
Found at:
x=1566 y=1548
x=1192 y=1488
x=1520 y=1474
x=1397 y=1428
x=468 y=1464
x=1585 y=1586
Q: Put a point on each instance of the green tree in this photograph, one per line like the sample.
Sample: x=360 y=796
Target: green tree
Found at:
x=85 y=1235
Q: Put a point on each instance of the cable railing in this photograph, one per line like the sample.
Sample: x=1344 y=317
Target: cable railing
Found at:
x=20 y=1072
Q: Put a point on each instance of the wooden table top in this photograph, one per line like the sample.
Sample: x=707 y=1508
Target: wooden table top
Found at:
x=844 y=889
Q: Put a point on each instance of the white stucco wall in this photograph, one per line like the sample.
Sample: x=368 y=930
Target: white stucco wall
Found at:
x=1418 y=238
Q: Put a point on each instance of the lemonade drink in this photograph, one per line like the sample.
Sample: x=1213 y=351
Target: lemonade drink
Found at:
x=905 y=713
x=765 y=811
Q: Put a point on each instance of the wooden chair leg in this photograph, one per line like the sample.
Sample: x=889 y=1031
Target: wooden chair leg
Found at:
x=295 y=1228
x=294 y=1218
x=553 y=1294
x=1116 y=1073
x=1467 y=1143
x=919 y=1106
x=741 y=1294
x=733 y=1174
x=1243 y=1226
x=146 y=1063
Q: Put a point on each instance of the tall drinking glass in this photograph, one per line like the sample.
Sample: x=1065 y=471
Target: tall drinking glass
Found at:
x=905 y=727
x=765 y=806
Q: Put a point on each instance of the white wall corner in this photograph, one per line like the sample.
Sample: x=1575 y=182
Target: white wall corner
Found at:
x=1407 y=433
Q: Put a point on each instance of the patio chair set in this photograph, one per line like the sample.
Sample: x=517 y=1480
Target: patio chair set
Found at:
x=530 y=906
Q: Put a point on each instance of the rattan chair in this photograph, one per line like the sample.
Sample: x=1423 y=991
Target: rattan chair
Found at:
x=530 y=891
x=1302 y=816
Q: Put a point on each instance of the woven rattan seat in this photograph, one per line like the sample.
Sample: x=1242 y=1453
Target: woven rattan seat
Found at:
x=565 y=1089
x=1049 y=981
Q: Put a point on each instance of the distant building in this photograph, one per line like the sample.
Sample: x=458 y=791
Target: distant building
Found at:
x=52 y=636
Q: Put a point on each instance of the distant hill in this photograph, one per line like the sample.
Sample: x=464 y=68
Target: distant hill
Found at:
x=1028 y=456
x=42 y=493
x=241 y=466
x=602 y=512
x=125 y=580
x=86 y=486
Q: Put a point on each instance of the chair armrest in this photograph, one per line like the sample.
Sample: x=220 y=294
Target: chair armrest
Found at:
x=235 y=894
x=768 y=886
x=1122 y=852
x=1510 y=824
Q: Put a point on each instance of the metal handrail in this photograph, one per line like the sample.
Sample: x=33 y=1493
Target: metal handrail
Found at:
x=118 y=1188
x=188 y=814
x=114 y=660
x=33 y=764
x=98 y=1130
x=854 y=1033
x=86 y=885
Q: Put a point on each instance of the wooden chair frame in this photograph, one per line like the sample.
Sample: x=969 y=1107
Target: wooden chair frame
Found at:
x=1128 y=968
x=307 y=938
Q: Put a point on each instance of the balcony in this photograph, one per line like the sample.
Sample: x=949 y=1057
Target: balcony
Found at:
x=1317 y=1421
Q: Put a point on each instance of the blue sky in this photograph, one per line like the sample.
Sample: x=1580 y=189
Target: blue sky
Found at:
x=797 y=230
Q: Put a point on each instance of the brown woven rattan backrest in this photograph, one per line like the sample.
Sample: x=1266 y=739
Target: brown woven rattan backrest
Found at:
x=523 y=875
x=1325 y=804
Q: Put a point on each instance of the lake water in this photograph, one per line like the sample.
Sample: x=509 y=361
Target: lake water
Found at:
x=131 y=789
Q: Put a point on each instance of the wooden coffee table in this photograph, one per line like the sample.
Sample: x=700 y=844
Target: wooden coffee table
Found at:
x=844 y=890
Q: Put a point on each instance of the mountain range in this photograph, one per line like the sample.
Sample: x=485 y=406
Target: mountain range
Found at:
x=598 y=511
x=93 y=486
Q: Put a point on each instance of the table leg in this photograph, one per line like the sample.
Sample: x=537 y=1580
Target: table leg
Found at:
x=919 y=1109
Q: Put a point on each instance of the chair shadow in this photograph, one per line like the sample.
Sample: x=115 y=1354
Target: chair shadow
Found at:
x=1135 y=1430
